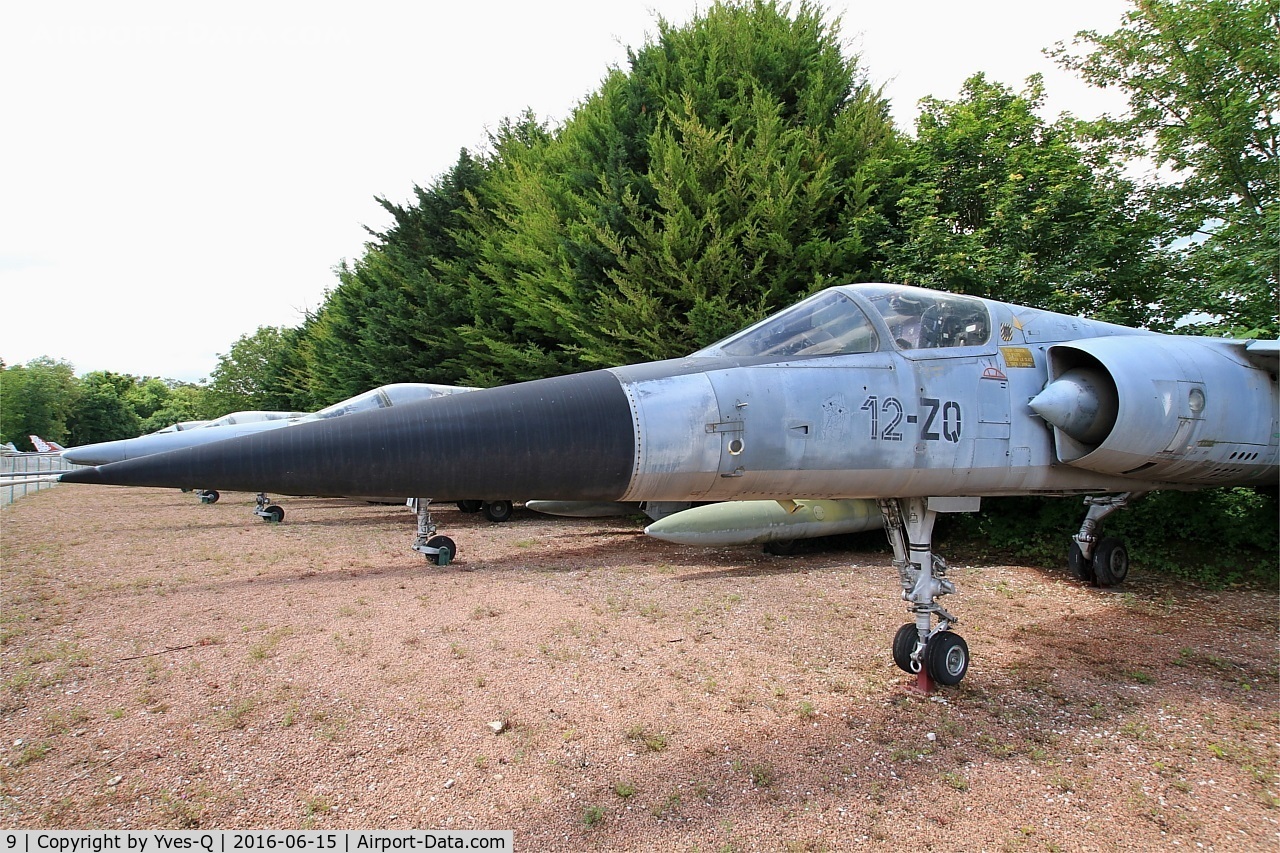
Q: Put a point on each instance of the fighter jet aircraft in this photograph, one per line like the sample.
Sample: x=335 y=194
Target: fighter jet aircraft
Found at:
x=923 y=401
x=43 y=446
x=239 y=424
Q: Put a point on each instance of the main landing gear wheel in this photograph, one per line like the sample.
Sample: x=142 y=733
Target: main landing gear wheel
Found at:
x=904 y=646
x=445 y=549
x=1098 y=560
x=781 y=547
x=1110 y=562
x=497 y=511
x=1080 y=565
x=267 y=511
x=946 y=657
x=470 y=506
x=209 y=496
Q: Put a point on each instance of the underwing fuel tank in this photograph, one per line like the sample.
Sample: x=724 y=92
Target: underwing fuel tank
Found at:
x=583 y=509
x=758 y=522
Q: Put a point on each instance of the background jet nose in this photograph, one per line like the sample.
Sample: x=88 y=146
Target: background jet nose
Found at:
x=102 y=453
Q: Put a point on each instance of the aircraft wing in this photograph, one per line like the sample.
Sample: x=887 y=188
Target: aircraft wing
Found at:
x=1263 y=354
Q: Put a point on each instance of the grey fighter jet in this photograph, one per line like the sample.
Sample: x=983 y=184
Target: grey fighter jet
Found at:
x=238 y=424
x=244 y=423
x=923 y=401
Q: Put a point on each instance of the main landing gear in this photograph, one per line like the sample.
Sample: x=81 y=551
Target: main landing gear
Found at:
x=1101 y=561
x=495 y=511
x=933 y=653
x=438 y=549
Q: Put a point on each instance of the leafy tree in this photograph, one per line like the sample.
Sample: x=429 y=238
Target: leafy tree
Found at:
x=147 y=396
x=160 y=403
x=36 y=399
x=287 y=375
x=100 y=413
x=393 y=317
x=243 y=378
x=1203 y=82
x=718 y=180
x=993 y=201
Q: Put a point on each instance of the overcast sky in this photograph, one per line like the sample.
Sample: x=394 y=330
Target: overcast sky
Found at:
x=175 y=175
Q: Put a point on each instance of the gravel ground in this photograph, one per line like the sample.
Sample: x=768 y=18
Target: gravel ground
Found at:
x=167 y=664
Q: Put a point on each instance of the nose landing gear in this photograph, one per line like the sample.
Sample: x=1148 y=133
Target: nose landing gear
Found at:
x=438 y=549
x=933 y=653
x=267 y=511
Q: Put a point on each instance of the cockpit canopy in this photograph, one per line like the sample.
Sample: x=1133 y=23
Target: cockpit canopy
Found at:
x=927 y=319
x=386 y=396
x=833 y=322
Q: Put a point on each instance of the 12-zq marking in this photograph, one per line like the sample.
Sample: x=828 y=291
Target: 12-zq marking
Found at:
x=941 y=421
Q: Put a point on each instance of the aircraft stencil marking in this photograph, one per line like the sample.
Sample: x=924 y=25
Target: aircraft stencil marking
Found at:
x=1017 y=357
x=950 y=419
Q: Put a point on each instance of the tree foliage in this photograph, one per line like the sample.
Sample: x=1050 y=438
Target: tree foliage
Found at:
x=248 y=374
x=718 y=180
x=36 y=399
x=395 y=315
x=101 y=412
x=993 y=201
x=1203 y=84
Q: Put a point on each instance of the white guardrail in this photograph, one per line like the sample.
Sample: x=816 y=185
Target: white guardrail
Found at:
x=17 y=470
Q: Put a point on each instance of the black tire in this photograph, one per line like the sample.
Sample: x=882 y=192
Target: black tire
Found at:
x=781 y=547
x=447 y=552
x=275 y=514
x=946 y=658
x=497 y=511
x=470 y=506
x=904 y=645
x=1080 y=567
x=209 y=496
x=1110 y=562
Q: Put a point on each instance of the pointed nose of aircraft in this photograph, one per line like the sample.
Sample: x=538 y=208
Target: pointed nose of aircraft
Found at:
x=570 y=437
x=102 y=453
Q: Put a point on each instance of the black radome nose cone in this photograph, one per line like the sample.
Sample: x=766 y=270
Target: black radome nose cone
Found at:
x=565 y=438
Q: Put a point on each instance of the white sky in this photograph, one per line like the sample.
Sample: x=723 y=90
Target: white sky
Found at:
x=175 y=175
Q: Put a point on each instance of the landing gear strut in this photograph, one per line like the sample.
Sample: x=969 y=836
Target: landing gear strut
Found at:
x=438 y=549
x=268 y=511
x=1093 y=558
x=933 y=653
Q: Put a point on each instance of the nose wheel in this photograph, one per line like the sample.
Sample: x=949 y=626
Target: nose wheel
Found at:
x=929 y=650
x=437 y=549
x=946 y=658
x=267 y=511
